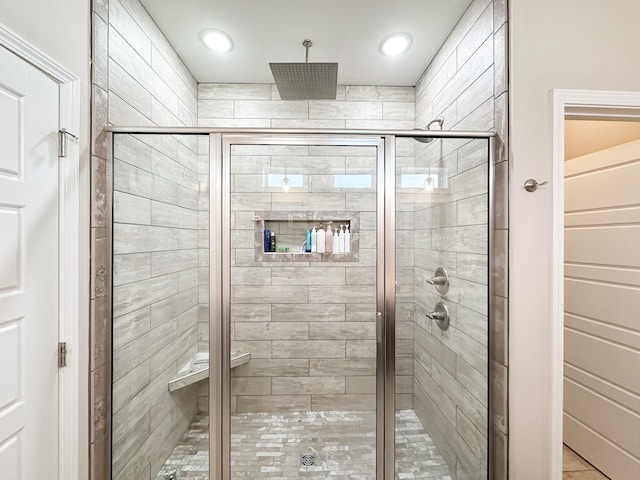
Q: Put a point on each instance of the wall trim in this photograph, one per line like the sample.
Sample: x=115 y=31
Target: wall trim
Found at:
x=575 y=104
x=71 y=265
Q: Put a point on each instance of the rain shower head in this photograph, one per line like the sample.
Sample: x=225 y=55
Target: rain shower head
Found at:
x=306 y=81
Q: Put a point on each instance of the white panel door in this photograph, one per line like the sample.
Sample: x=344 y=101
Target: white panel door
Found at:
x=602 y=309
x=29 y=103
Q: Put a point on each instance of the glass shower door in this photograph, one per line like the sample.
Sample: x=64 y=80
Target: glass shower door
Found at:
x=442 y=307
x=300 y=249
x=160 y=306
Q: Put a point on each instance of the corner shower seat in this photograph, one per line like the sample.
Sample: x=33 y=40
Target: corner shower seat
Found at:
x=197 y=369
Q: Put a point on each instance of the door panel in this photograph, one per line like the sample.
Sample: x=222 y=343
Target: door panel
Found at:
x=442 y=222
x=602 y=297
x=28 y=270
x=307 y=319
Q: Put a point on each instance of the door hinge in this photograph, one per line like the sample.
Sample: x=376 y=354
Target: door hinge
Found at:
x=62 y=354
x=63 y=137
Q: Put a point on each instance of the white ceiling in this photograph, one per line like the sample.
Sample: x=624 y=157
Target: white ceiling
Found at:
x=344 y=31
x=582 y=137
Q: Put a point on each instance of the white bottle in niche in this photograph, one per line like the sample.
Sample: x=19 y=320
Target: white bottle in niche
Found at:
x=347 y=240
x=320 y=240
x=341 y=239
x=314 y=240
x=336 y=240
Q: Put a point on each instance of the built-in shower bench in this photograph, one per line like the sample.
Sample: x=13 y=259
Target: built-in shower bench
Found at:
x=197 y=369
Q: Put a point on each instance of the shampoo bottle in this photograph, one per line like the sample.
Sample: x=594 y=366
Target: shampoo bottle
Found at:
x=336 y=241
x=347 y=241
x=320 y=239
x=314 y=240
x=328 y=243
x=272 y=242
x=307 y=244
x=267 y=238
x=341 y=239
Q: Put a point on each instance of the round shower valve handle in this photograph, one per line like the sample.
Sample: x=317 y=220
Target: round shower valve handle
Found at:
x=437 y=281
x=440 y=280
x=441 y=315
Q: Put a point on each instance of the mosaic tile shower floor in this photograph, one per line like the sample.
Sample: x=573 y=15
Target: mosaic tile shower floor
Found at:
x=268 y=445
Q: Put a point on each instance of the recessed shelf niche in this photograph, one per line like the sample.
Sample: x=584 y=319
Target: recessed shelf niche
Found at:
x=291 y=232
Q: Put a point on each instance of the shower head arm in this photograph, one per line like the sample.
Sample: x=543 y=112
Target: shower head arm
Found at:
x=307 y=44
x=439 y=121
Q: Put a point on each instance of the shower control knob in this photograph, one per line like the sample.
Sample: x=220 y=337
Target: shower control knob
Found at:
x=437 y=281
x=436 y=315
x=440 y=280
x=441 y=315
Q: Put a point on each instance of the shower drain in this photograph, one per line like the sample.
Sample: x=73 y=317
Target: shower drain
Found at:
x=308 y=459
x=173 y=475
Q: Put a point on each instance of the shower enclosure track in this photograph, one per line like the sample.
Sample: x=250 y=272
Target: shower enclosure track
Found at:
x=299 y=131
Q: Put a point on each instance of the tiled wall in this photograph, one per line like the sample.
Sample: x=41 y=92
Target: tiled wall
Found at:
x=466 y=85
x=259 y=105
x=138 y=79
x=155 y=297
x=310 y=327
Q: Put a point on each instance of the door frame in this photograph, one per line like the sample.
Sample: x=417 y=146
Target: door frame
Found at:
x=586 y=104
x=71 y=267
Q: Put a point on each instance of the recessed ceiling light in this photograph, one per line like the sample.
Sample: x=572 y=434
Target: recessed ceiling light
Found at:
x=216 y=40
x=395 y=44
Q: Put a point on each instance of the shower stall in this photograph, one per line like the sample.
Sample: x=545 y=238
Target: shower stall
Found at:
x=241 y=353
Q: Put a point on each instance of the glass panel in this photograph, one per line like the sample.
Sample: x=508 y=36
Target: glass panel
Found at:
x=303 y=323
x=442 y=375
x=160 y=306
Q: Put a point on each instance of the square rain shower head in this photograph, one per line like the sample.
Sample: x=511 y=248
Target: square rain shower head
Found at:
x=306 y=81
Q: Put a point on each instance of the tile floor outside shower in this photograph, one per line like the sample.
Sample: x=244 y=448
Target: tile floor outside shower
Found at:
x=269 y=445
x=574 y=467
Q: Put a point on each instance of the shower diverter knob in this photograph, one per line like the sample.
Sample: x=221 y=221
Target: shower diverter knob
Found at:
x=440 y=280
x=441 y=315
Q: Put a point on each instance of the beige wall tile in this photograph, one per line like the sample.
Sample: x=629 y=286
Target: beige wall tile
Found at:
x=228 y=91
x=342 y=330
x=385 y=94
x=308 y=348
x=351 y=402
x=307 y=312
x=251 y=386
x=345 y=110
x=271 y=331
x=348 y=367
x=273 y=403
x=268 y=109
x=274 y=368
x=308 y=385
x=361 y=384
x=352 y=294
x=361 y=348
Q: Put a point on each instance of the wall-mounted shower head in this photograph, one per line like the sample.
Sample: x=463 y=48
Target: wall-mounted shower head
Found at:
x=306 y=81
x=439 y=121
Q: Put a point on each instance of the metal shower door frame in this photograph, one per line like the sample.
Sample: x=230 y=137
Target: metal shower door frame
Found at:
x=220 y=289
x=388 y=260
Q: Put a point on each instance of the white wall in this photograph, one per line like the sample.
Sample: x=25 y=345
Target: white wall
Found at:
x=570 y=44
x=62 y=30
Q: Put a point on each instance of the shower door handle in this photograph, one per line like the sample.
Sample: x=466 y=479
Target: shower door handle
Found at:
x=379 y=327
